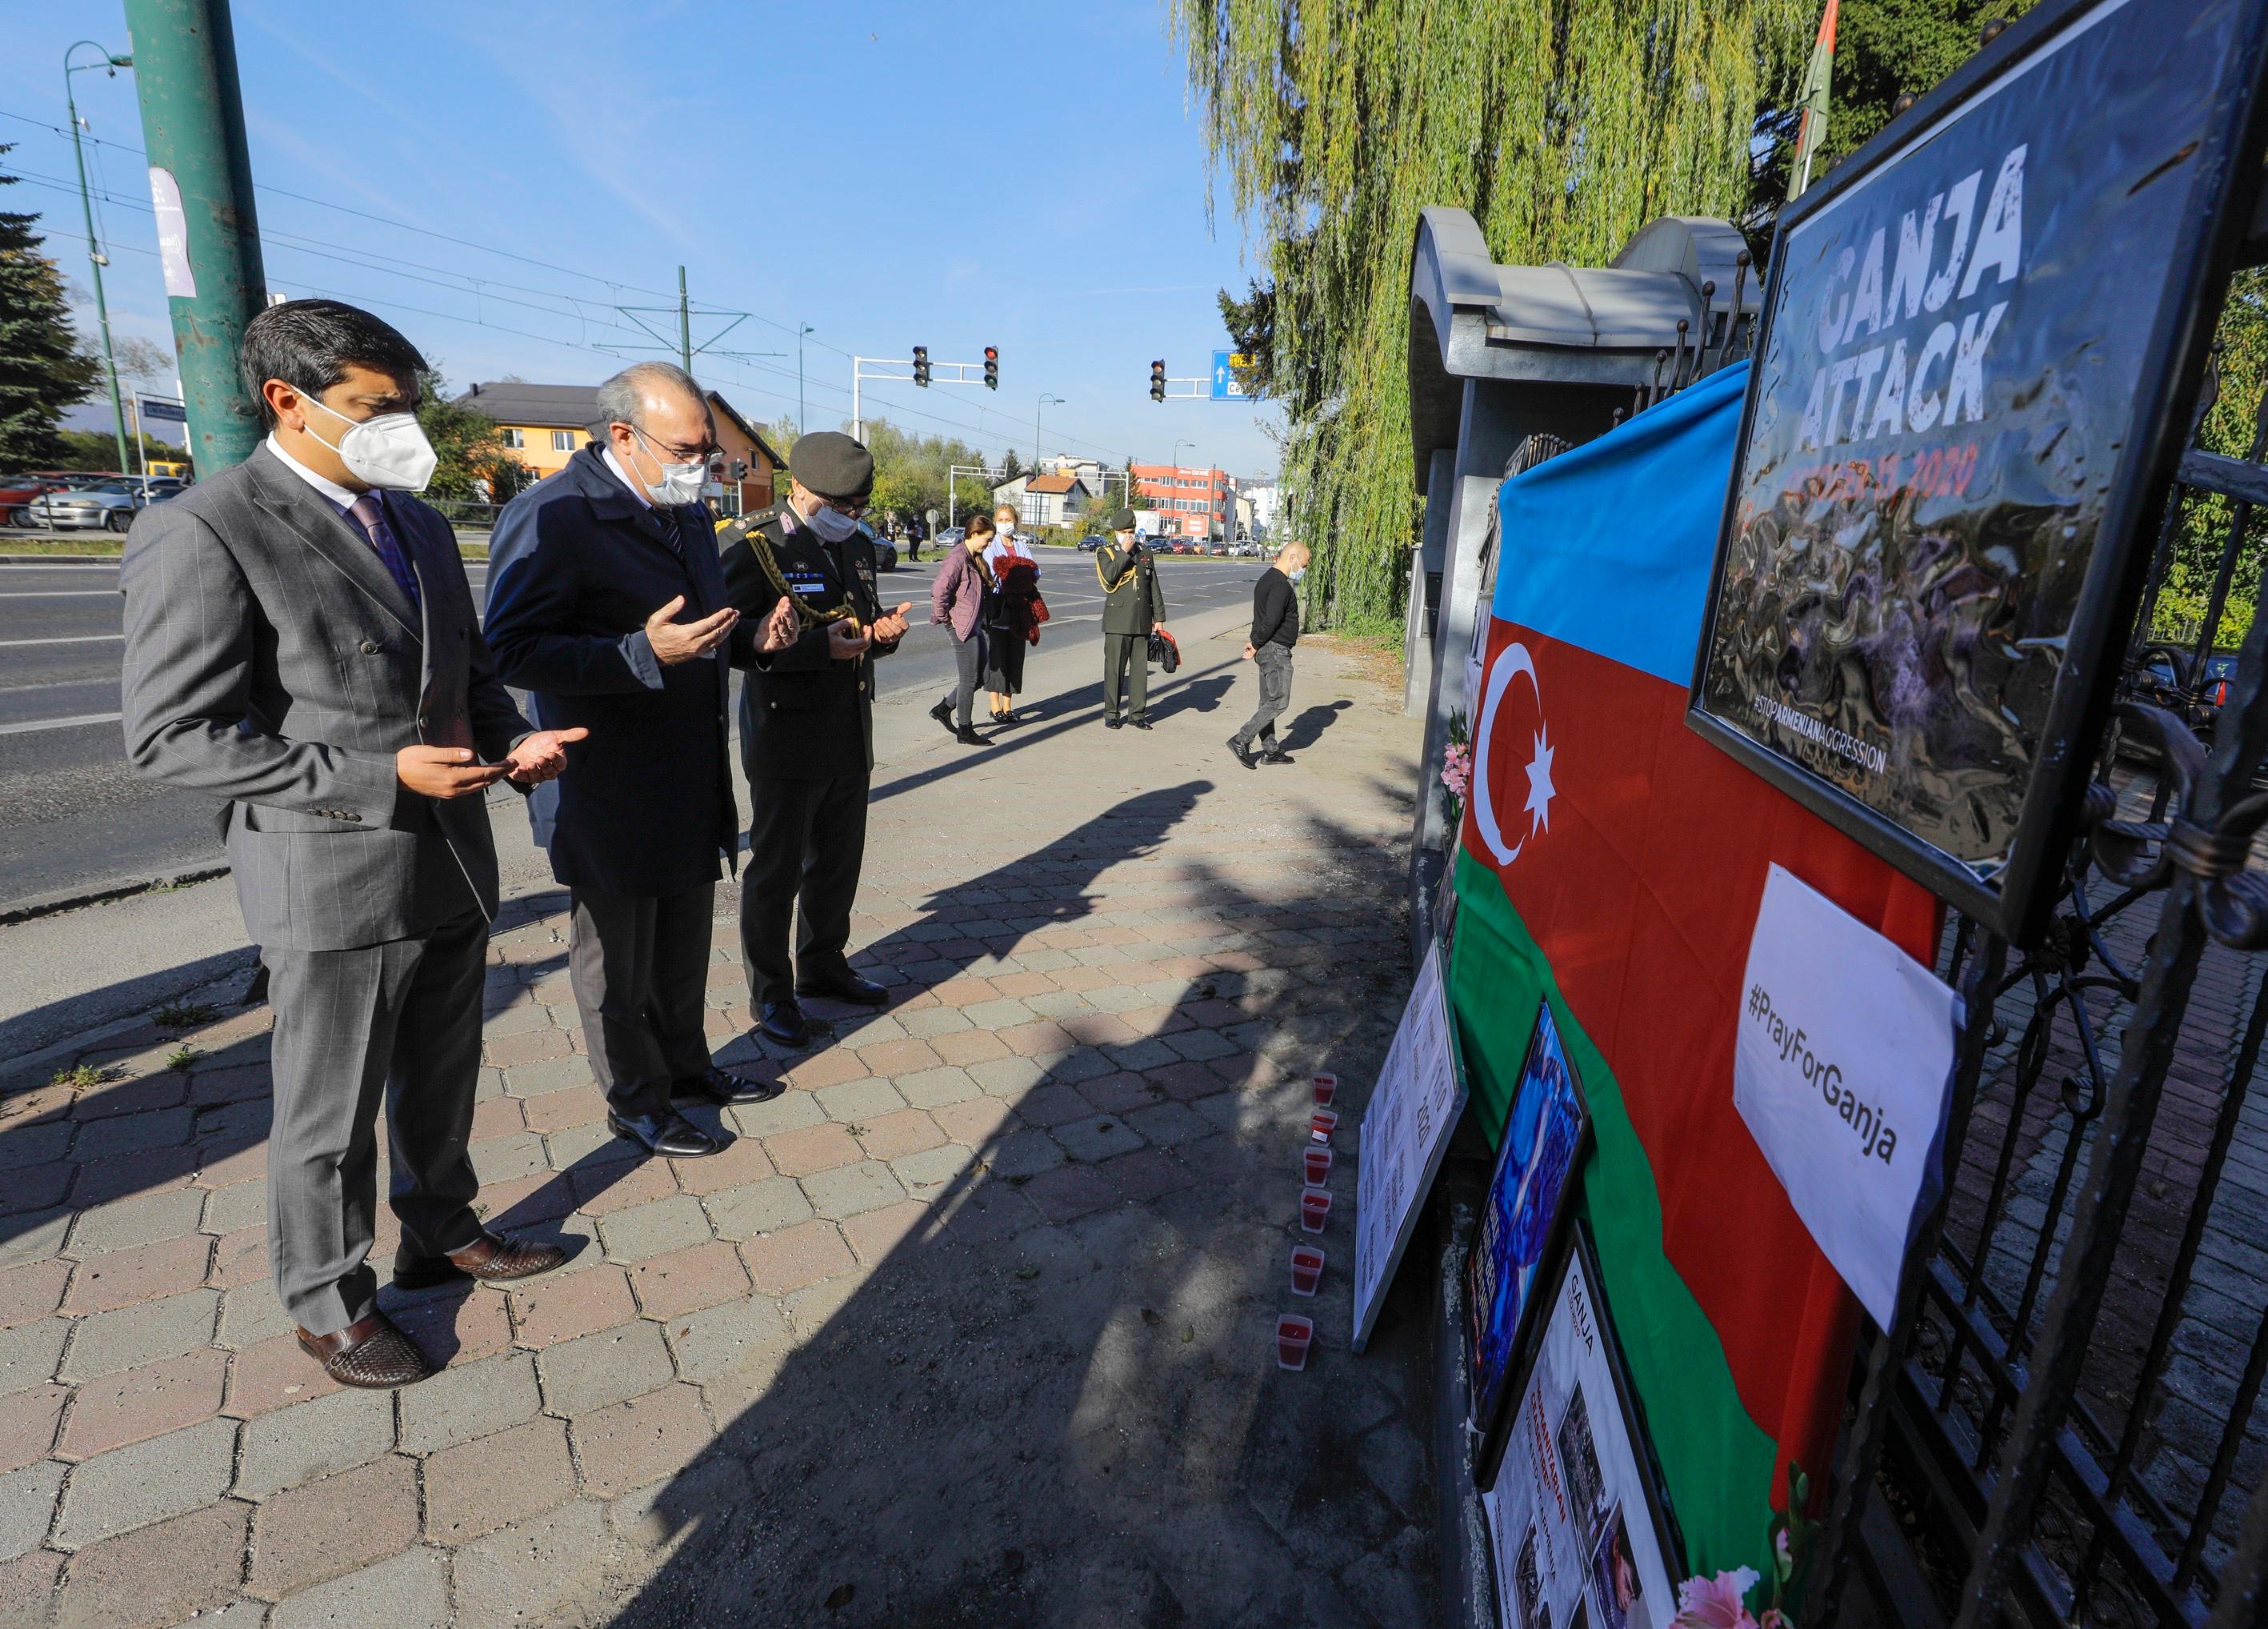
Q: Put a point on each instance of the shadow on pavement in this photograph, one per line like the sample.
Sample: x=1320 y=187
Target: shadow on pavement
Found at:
x=1308 y=727
x=1054 y=1399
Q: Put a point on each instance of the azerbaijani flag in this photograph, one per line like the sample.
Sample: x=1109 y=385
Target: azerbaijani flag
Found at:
x=1811 y=124
x=1613 y=862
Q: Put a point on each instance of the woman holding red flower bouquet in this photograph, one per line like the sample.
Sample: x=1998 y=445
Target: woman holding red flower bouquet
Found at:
x=1016 y=612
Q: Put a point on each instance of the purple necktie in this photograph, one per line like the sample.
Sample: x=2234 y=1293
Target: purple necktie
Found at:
x=370 y=515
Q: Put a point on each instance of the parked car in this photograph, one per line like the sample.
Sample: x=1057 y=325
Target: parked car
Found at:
x=17 y=494
x=886 y=553
x=103 y=505
x=1092 y=542
x=1219 y=551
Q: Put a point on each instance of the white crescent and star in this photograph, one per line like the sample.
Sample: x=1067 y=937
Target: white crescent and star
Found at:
x=1513 y=662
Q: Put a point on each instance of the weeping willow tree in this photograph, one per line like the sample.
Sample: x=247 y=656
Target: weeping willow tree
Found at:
x=1562 y=125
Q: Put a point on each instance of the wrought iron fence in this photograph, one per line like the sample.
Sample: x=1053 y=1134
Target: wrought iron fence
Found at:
x=2065 y=1422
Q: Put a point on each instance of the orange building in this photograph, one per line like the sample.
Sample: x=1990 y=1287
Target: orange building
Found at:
x=545 y=424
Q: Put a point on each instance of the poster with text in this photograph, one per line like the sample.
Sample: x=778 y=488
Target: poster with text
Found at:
x=1576 y=1521
x=1405 y=1131
x=1528 y=1198
x=1941 y=417
x=1841 y=1071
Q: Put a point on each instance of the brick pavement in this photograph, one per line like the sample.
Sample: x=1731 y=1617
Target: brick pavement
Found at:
x=972 y=1325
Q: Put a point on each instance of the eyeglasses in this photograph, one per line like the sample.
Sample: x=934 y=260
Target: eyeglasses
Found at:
x=700 y=454
x=850 y=508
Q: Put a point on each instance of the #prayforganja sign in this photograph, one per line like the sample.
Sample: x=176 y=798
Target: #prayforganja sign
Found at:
x=1970 y=386
x=1844 y=1054
x=1405 y=1131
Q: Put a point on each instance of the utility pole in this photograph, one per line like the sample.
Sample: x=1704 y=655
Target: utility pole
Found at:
x=208 y=228
x=684 y=324
x=802 y=328
x=110 y=64
x=1045 y=397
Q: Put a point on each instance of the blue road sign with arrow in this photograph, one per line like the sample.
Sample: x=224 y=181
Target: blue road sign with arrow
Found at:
x=1224 y=387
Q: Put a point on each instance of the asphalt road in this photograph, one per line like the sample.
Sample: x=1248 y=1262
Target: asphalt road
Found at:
x=75 y=820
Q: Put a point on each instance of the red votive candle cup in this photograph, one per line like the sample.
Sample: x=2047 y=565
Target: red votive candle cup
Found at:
x=1326 y=1087
x=1315 y=1208
x=1318 y=1165
x=1321 y=1123
x=1307 y=1269
x=1293 y=1335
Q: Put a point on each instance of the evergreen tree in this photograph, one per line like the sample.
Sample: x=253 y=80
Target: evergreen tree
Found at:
x=42 y=370
x=1011 y=468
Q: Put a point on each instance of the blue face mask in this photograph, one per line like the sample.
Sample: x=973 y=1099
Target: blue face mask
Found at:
x=1296 y=572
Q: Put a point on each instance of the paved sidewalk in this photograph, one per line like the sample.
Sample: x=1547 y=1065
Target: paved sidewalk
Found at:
x=973 y=1325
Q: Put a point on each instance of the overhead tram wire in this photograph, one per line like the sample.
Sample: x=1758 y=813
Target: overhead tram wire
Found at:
x=481 y=288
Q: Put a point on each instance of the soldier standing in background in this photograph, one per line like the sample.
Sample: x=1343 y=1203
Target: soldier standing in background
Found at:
x=808 y=728
x=1133 y=606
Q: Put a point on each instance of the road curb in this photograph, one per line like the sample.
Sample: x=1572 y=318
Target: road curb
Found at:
x=75 y=899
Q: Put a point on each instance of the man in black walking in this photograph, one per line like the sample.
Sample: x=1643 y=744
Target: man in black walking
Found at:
x=1275 y=630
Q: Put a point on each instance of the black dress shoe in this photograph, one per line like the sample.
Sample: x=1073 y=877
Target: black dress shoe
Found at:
x=843 y=986
x=943 y=713
x=1113 y=724
x=1236 y=746
x=721 y=1087
x=1140 y=724
x=968 y=738
x=784 y=1022
x=669 y=1134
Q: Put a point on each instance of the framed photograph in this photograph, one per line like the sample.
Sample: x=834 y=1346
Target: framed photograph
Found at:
x=1579 y=1523
x=1529 y=1200
x=1980 y=347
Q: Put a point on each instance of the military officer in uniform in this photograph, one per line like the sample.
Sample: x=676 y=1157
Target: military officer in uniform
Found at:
x=1132 y=606
x=808 y=728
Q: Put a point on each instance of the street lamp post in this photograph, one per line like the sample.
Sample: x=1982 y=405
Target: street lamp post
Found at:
x=1045 y=398
x=1180 y=525
x=111 y=65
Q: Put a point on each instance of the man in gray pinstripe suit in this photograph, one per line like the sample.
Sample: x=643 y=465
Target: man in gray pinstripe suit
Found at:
x=301 y=641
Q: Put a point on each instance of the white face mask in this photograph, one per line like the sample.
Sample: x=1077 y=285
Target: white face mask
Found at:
x=830 y=523
x=679 y=483
x=389 y=450
x=1007 y=529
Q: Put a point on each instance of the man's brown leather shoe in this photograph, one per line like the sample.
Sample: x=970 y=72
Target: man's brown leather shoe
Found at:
x=370 y=1352
x=492 y=1258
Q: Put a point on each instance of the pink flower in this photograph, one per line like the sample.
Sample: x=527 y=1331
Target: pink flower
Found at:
x=1718 y=1603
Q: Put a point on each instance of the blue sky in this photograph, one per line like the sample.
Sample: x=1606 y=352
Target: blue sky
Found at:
x=1024 y=175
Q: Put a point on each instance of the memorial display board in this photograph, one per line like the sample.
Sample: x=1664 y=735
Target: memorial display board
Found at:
x=1577 y=1520
x=1405 y=1131
x=1529 y=1199
x=1980 y=338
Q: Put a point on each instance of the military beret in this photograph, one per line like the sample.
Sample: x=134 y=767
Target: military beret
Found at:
x=1121 y=520
x=833 y=465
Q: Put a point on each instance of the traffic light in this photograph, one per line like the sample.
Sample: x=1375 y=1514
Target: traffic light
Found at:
x=921 y=365
x=736 y=469
x=1157 y=382
x=991 y=367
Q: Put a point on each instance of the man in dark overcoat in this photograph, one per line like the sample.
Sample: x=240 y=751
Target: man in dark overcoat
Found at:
x=606 y=600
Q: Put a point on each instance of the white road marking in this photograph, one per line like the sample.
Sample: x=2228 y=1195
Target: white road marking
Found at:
x=79 y=722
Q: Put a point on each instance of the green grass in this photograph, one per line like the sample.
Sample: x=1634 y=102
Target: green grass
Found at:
x=80 y=1077
x=184 y=1014
x=96 y=544
x=182 y=1056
